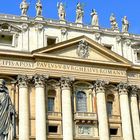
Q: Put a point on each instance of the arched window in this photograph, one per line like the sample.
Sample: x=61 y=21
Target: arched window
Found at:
x=81 y=102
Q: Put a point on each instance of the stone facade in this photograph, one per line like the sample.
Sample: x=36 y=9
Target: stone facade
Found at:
x=69 y=81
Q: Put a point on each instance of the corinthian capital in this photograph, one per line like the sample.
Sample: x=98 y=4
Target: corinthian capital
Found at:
x=39 y=80
x=66 y=82
x=22 y=80
x=122 y=88
x=100 y=86
x=134 y=90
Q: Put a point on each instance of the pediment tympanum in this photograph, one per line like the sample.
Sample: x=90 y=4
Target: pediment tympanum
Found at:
x=83 y=48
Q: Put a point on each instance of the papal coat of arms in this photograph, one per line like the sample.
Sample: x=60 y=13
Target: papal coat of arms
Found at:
x=83 y=49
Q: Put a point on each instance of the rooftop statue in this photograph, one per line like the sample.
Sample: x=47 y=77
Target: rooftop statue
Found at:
x=94 y=18
x=24 y=8
x=61 y=11
x=79 y=13
x=38 y=8
x=125 y=24
x=114 y=24
x=7 y=114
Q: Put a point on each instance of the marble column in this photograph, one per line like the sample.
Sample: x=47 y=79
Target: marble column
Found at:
x=40 y=107
x=66 y=109
x=135 y=112
x=125 y=112
x=102 y=110
x=23 y=108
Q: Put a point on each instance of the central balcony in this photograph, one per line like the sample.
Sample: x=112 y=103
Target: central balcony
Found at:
x=85 y=116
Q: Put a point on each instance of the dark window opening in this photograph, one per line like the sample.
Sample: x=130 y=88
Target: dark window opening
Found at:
x=6 y=39
x=113 y=131
x=51 y=104
x=51 y=41
x=81 y=102
x=108 y=46
x=109 y=107
x=138 y=55
x=52 y=129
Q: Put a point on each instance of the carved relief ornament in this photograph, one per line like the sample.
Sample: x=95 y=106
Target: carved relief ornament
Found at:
x=24 y=27
x=63 y=31
x=83 y=49
x=39 y=27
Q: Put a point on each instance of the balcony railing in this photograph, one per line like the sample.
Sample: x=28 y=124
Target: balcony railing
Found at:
x=54 y=114
x=85 y=115
x=114 y=116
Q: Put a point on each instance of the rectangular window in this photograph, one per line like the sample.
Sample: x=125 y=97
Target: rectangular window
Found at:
x=113 y=131
x=138 y=56
x=51 y=41
x=52 y=129
x=51 y=104
x=6 y=39
x=109 y=107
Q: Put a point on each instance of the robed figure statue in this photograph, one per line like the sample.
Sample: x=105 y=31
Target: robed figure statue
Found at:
x=7 y=114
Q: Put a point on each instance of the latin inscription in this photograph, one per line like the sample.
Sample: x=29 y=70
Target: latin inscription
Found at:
x=61 y=67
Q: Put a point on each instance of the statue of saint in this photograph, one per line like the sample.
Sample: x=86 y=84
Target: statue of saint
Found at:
x=125 y=24
x=94 y=18
x=114 y=24
x=61 y=11
x=38 y=8
x=7 y=114
x=24 y=8
x=79 y=13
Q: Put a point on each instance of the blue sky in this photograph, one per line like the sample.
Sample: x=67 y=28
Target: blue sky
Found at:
x=130 y=8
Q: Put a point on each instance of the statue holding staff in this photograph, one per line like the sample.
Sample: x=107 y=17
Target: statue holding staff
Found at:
x=7 y=114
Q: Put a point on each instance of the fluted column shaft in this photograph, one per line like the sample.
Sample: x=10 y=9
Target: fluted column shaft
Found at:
x=135 y=112
x=125 y=112
x=67 y=109
x=40 y=107
x=102 y=110
x=23 y=108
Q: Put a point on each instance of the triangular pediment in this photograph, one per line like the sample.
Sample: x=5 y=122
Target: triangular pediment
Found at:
x=6 y=27
x=83 y=48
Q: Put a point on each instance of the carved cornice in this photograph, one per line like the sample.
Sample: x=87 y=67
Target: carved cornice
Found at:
x=23 y=81
x=66 y=82
x=40 y=80
x=100 y=86
x=122 y=88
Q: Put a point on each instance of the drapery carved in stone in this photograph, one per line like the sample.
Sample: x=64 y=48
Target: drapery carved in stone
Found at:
x=7 y=114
